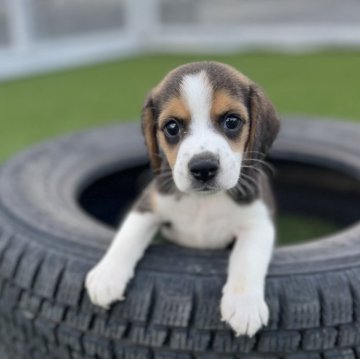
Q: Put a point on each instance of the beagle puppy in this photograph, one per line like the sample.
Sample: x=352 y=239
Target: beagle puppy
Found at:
x=207 y=128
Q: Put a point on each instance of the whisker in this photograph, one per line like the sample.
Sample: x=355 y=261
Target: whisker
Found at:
x=262 y=162
x=258 y=169
x=167 y=185
x=163 y=173
x=239 y=188
x=256 y=152
x=248 y=178
x=247 y=185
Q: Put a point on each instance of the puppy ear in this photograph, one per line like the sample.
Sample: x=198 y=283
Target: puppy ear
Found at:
x=149 y=128
x=264 y=125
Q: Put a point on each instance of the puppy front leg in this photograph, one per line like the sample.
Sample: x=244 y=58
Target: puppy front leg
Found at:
x=107 y=281
x=243 y=305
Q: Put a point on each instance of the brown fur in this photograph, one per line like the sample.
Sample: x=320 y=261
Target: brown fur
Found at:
x=175 y=108
x=223 y=102
x=239 y=144
x=171 y=151
x=149 y=127
x=265 y=123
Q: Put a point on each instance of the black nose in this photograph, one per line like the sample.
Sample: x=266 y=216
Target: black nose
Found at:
x=204 y=168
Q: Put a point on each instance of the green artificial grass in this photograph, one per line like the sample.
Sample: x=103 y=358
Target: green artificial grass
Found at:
x=321 y=84
x=293 y=229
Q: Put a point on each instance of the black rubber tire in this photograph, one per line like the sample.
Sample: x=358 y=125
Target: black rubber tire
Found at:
x=48 y=243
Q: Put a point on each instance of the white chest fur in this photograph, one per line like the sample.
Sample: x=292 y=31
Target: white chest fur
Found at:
x=205 y=221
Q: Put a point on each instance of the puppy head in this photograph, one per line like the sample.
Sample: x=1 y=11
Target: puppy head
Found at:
x=203 y=120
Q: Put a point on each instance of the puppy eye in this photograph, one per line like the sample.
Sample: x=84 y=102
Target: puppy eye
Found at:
x=232 y=123
x=172 y=128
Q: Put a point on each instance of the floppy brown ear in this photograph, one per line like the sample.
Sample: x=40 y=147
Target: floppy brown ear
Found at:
x=264 y=123
x=149 y=128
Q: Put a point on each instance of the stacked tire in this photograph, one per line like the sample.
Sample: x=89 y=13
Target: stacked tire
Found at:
x=48 y=243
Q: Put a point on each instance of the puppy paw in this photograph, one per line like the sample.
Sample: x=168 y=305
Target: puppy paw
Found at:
x=245 y=312
x=106 y=283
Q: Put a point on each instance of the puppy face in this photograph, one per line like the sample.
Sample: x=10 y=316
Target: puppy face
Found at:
x=202 y=120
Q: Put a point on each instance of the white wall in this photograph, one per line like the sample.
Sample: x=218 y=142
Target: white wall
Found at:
x=42 y=35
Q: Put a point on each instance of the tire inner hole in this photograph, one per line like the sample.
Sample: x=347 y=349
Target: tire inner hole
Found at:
x=312 y=201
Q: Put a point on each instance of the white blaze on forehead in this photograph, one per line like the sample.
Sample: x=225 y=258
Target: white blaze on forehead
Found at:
x=197 y=92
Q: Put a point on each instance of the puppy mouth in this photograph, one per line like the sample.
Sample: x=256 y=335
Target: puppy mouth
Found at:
x=205 y=188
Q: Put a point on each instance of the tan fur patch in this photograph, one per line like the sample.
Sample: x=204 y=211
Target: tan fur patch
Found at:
x=240 y=143
x=153 y=193
x=170 y=151
x=222 y=103
x=175 y=107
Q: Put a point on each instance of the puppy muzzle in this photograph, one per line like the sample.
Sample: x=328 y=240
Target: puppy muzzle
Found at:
x=204 y=168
